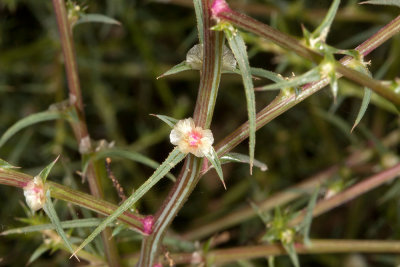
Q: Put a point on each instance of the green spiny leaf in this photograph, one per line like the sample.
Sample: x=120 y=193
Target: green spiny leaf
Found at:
x=98 y=18
x=37 y=253
x=45 y=172
x=382 y=2
x=5 y=165
x=275 y=77
x=308 y=218
x=51 y=213
x=199 y=18
x=79 y=223
x=364 y=105
x=291 y=251
x=126 y=154
x=310 y=76
x=215 y=162
x=173 y=158
x=28 y=121
x=238 y=48
x=168 y=120
x=323 y=29
x=242 y=158
x=176 y=69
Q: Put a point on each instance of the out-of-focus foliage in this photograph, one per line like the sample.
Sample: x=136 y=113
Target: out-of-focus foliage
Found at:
x=118 y=66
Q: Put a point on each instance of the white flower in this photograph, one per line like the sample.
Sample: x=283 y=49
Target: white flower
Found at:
x=34 y=194
x=192 y=139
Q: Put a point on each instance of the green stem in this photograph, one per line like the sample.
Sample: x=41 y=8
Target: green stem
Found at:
x=61 y=192
x=283 y=102
x=356 y=190
x=79 y=127
x=189 y=176
x=317 y=246
x=290 y=43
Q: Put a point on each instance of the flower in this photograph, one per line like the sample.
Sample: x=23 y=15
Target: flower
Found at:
x=192 y=139
x=35 y=194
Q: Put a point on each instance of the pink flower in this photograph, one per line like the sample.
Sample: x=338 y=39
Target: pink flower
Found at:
x=35 y=194
x=191 y=139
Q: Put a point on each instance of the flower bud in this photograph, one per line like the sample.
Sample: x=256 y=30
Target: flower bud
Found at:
x=35 y=194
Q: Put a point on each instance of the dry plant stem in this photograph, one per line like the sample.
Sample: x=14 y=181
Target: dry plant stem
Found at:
x=72 y=196
x=79 y=126
x=278 y=199
x=294 y=45
x=356 y=190
x=189 y=175
x=221 y=256
x=283 y=103
x=290 y=194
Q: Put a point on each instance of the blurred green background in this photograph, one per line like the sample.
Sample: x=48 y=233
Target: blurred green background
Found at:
x=118 y=66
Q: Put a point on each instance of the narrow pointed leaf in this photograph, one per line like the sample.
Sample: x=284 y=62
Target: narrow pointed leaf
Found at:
x=79 y=223
x=308 y=77
x=45 y=172
x=242 y=158
x=334 y=85
x=323 y=29
x=215 y=162
x=382 y=2
x=364 y=105
x=37 y=253
x=176 y=69
x=28 y=121
x=173 y=158
x=5 y=165
x=98 y=18
x=291 y=251
x=308 y=218
x=198 y=9
x=266 y=74
x=126 y=154
x=238 y=48
x=168 y=120
x=51 y=213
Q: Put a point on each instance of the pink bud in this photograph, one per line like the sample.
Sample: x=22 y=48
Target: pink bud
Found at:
x=157 y=265
x=219 y=6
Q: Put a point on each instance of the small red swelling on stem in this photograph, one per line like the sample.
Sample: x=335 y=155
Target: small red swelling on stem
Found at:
x=148 y=223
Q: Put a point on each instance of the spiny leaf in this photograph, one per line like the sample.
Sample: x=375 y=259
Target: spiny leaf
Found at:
x=168 y=120
x=323 y=29
x=5 y=165
x=79 y=223
x=51 y=213
x=242 y=158
x=176 y=69
x=99 y=18
x=173 y=158
x=215 y=162
x=364 y=105
x=382 y=2
x=308 y=218
x=126 y=154
x=275 y=77
x=238 y=48
x=199 y=18
x=28 y=121
x=366 y=97
x=310 y=76
x=291 y=251
x=45 y=172
x=37 y=253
